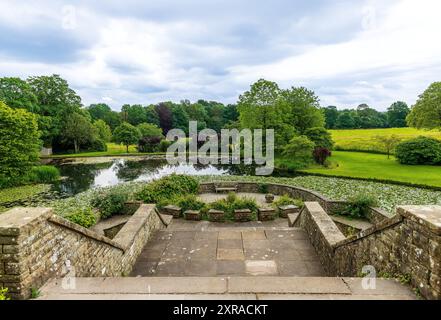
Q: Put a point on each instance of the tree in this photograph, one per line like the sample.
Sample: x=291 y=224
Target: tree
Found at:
x=126 y=134
x=196 y=112
x=78 y=130
x=165 y=117
x=230 y=114
x=179 y=117
x=152 y=115
x=103 y=130
x=149 y=130
x=135 y=114
x=102 y=111
x=17 y=93
x=388 y=142
x=426 y=113
x=299 y=148
x=303 y=109
x=19 y=143
x=258 y=106
x=56 y=100
x=396 y=114
x=331 y=116
x=345 y=120
x=321 y=137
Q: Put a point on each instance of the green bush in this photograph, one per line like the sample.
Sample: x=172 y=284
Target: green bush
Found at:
x=286 y=200
x=185 y=202
x=163 y=145
x=83 y=216
x=420 y=150
x=168 y=187
x=3 y=294
x=110 y=203
x=44 y=174
x=97 y=145
x=358 y=206
x=232 y=202
x=321 y=137
x=19 y=144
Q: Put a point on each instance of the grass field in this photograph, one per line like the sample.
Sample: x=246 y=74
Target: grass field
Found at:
x=364 y=139
x=378 y=167
x=113 y=149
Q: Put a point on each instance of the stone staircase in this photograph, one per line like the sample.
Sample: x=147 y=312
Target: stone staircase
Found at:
x=222 y=288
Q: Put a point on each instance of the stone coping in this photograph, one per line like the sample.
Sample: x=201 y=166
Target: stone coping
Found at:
x=13 y=221
x=374 y=229
x=85 y=232
x=324 y=223
x=126 y=236
x=427 y=216
x=123 y=240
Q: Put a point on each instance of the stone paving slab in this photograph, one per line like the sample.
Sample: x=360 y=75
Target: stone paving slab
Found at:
x=190 y=252
x=141 y=285
x=305 y=285
x=220 y=288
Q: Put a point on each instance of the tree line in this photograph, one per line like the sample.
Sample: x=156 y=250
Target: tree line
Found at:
x=365 y=117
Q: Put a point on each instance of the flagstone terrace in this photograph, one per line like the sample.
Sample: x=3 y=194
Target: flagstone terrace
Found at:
x=38 y=246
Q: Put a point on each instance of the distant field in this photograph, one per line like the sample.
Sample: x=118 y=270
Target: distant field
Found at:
x=364 y=139
x=378 y=167
x=113 y=149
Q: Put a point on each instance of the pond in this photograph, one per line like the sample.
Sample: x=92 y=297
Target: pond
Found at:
x=79 y=177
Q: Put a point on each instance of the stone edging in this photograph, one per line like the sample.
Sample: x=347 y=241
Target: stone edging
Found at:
x=376 y=215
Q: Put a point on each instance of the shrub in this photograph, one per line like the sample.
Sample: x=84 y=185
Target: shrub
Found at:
x=321 y=137
x=321 y=155
x=98 y=145
x=110 y=203
x=420 y=150
x=149 y=144
x=19 y=144
x=44 y=174
x=286 y=200
x=231 y=203
x=83 y=216
x=168 y=187
x=299 y=151
x=163 y=145
x=3 y=294
x=185 y=202
x=358 y=206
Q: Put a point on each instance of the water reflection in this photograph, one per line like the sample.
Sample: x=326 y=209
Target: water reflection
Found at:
x=81 y=177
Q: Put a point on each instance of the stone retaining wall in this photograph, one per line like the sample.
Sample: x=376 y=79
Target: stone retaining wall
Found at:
x=36 y=245
x=375 y=215
x=407 y=244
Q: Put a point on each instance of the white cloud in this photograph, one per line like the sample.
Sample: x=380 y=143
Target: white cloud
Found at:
x=350 y=53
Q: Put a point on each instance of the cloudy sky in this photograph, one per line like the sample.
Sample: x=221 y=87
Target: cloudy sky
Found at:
x=349 y=52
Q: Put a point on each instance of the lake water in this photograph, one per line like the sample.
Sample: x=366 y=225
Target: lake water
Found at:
x=79 y=177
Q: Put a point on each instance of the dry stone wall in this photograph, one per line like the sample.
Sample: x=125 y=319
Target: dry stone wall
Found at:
x=408 y=244
x=36 y=245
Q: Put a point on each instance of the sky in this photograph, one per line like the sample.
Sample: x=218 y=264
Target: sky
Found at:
x=143 y=52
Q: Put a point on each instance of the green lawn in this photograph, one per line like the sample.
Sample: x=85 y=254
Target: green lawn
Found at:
x=378 y=167
x=364 y=139
x=113 y=149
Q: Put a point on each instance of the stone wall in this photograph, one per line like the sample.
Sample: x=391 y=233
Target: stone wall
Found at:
x=375 y=215
x=36 y=245
x=407 y=244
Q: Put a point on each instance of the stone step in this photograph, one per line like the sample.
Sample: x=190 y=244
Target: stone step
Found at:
x=221 y=288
